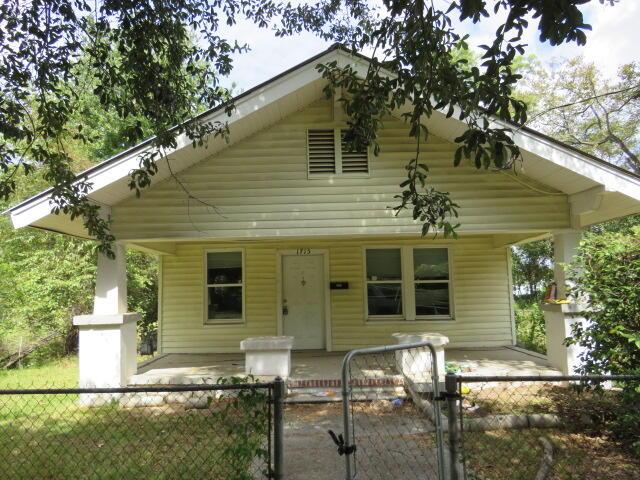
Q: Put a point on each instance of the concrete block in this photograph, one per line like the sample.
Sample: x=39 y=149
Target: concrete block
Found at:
x=416 y=364
x=107 y=349
x=267 y=356
x=559 y=320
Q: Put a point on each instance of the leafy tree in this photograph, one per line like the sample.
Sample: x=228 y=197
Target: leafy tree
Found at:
x=570 y=101
x=142 y=290
x=532 y=267
x=578 y=104
x=531 y=271
x=143 y=66
x=45 y=278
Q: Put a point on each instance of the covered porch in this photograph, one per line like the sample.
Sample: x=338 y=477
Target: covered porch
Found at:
x=321 y=369
x=482 y=302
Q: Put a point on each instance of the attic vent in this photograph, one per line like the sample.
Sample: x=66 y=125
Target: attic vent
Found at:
x=352 y=161
x=322 y=151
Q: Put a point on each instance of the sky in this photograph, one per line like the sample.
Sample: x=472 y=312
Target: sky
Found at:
x=613 y=41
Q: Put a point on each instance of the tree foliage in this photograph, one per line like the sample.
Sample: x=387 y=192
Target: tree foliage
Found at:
x=532 y=268
x=577 y=103
x=47 y=278
x=144 y=66
x=530 y=325
x=607 y=277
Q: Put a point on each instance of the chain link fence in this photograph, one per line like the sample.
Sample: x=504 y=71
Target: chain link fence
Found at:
x=390 y=414
x=222 y=431
x=540 y=428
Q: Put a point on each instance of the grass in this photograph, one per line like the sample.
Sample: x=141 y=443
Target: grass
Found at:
x=55 y=437
x=58 y=373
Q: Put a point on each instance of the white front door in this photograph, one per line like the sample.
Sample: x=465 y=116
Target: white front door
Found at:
x=303 y=300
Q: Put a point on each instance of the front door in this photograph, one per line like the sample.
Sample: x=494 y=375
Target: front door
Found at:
x=303 y=300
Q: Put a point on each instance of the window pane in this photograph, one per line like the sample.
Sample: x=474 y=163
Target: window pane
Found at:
x=383 y=264
x=225 y=303
x=384 y=298
x=432 y=299
x=224 y=267
x=430 y=264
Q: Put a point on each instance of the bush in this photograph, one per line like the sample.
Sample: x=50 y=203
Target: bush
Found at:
x=530 y=326
x=607 y=278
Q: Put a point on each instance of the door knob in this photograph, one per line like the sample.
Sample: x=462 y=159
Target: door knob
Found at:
x=285 y=309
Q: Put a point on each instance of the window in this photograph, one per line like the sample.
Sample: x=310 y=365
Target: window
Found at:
x=431 y=281
x=421 y=290
x=328 y=154
x=224 y=286
x=384 y=282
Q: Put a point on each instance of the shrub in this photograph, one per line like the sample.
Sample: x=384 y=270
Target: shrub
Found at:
x=607 y=278
x=530 y=326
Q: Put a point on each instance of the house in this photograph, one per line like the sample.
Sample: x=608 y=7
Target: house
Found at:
x=282 y=231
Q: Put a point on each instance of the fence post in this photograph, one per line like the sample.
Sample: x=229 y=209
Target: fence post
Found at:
x=278 y=428
x=451 y=386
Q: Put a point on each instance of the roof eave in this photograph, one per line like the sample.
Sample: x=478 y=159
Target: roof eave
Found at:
x=91 y=174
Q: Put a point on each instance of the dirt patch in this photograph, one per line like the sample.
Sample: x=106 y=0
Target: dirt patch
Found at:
x=584 y=446
x=501 y=454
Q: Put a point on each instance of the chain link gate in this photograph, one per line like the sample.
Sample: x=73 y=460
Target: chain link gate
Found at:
x=391 y=413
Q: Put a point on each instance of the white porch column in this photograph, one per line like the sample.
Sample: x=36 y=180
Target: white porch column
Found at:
x=111 y=283
x=107 y=338
x=565 y=248
x=560 y=318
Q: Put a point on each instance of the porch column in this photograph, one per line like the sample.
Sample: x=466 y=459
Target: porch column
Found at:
x=107 y=338
x=560 y=318
x=565 y=248
x=111 y=283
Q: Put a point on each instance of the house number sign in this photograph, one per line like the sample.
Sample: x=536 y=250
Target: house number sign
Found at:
x=303 y=251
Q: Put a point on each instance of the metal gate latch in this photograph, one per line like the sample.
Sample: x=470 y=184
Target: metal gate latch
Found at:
x=342 y=448
x=446 y=395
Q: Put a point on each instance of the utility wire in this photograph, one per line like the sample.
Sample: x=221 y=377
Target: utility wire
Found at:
x=584 y=100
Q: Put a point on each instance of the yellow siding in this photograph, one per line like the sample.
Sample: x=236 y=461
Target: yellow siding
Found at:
x=261 y=188
x=480 y=289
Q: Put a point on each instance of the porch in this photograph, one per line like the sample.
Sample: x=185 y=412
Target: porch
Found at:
x=314 y=369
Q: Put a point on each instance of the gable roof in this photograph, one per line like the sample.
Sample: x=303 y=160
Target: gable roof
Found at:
x=584 y=177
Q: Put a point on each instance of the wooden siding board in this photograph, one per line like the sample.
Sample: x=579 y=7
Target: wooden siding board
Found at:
x=480 y=283
x=261 y=188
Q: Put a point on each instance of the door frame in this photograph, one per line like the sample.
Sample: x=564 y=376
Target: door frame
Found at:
x=327 y=291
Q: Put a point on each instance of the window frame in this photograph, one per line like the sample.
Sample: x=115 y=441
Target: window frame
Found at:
x=408 y=283
x=337 y=143
x=223 y=321
x=367 y=282
x=448 y=281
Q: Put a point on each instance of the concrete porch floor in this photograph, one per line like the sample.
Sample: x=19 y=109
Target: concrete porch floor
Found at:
x=179 y=368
